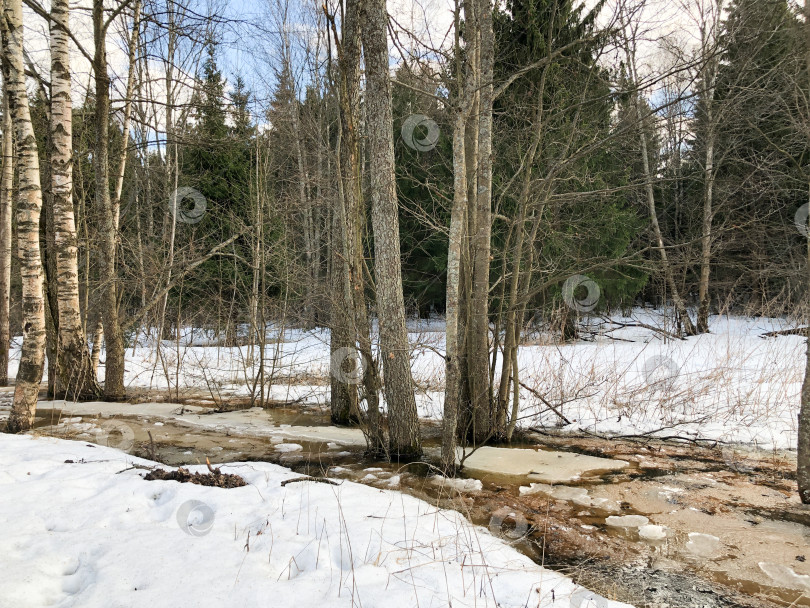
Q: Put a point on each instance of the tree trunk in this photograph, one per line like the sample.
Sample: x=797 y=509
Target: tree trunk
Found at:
x=803 y=442
x=343 y=399
x=480 y=394
x=344 y=396
x=29 y=208
x=108 y=232
x=122 y=164
x=680 y=306
x=352 y=194
x=709 y=83
x=6 y=184
x=75 y=371
x=458 y=225
x=706 y=236
x=403 y=421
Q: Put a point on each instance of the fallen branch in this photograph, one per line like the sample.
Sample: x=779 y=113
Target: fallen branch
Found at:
x=796 y=331
x=621 y=325
x=331 y=482
x=547 y=404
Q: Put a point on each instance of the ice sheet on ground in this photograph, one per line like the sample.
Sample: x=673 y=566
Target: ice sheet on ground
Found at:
x=254 y=421
x=458 y=484
x=652 y=532
x=627 y=521
x=288 y=447
x=703 y=545
x=537 y=465
x=579 y=496
x=784 y=576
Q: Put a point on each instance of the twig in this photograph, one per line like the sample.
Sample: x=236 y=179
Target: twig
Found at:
x=796 y=331
x=331 y=482
x=547 y=404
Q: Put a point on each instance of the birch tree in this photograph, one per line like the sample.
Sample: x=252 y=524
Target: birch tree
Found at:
x=6 y=194
x=29 y=208
x=75 y=369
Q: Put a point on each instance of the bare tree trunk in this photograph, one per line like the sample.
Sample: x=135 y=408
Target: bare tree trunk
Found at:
x=6 y=184
x=478 y=324
x=708 y=41
x=95 y=351
x=344 y=397
x=344 y=406
x=706 y=234
x=108 y=231
x=803 y=442
x=75 y=372
x=122 y=164
x=458 y=225
x=680 y=306
x=29 y=208
x=403 y=421
x=513 y=322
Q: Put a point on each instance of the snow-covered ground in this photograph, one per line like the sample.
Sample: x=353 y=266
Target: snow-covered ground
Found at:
x=80 y=527
x=731 y=384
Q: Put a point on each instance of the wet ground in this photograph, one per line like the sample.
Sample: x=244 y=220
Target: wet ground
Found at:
x=707 y=526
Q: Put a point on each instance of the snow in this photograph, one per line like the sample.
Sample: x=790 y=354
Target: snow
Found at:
x=288 y=447
x=458 y=484
x=730 y=384
x=703 y=545
x=627 y=521
x=93 y=533
x=785 y=576
x=578 y=496
x=652 y=532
